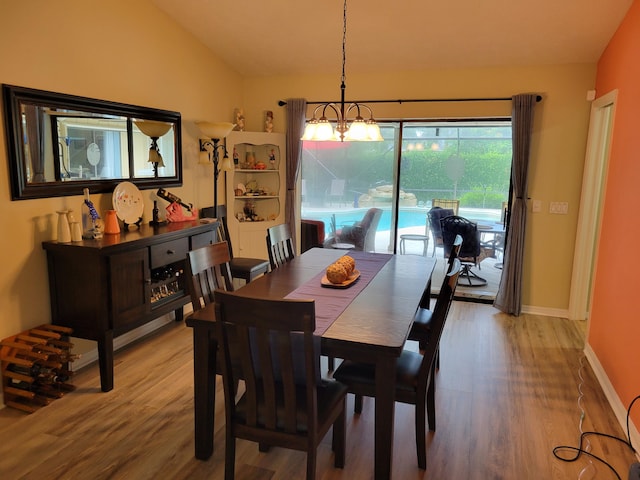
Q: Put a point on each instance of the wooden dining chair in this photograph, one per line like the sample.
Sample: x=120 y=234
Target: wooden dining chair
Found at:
x=421 y=326
x=280 y=245
x=415 y=384
x=245 y=268
x=207 y=270
x=286 y=403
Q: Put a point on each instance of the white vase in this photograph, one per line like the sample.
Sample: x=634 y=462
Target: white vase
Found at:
x=76 y=231
x=64 y=231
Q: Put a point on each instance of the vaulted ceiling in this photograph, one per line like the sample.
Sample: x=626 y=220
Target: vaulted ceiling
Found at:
x=288 y=37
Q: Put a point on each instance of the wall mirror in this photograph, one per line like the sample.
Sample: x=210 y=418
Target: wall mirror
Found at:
x=59 y=144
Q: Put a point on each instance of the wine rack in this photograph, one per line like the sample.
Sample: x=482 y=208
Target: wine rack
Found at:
x=35 y=367
x=167 y=282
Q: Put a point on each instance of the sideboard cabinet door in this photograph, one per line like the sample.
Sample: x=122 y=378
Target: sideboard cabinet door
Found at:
x=130 y=288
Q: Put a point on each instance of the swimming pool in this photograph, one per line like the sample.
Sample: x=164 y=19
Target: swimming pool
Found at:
x=408 y=217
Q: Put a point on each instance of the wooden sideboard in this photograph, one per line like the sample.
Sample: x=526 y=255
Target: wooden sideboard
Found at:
x=104 y=288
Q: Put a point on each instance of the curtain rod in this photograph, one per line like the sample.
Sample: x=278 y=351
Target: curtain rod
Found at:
x=282 y=103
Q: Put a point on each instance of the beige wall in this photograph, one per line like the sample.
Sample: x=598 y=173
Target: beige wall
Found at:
x=135 y=54
x=557 y=153
x=118 y=50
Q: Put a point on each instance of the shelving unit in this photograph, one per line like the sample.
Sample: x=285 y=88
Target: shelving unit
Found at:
x=255 y=189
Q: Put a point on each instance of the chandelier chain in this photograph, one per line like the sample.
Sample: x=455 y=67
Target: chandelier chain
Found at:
x=320 y=129
x=344 y=40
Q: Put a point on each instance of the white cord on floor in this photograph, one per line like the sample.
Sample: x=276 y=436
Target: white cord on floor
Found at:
x=589 y=467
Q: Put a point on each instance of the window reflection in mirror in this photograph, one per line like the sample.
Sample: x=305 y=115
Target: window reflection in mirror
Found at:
x=90 y=148
x=60 y=144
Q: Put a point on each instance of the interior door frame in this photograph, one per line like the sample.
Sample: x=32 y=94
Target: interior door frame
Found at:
x=594 y=178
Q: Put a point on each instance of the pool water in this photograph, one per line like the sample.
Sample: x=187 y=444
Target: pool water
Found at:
x=407 y=218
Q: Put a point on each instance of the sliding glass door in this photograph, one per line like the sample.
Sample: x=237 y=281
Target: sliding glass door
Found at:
x=338 y=179
x=418 y=161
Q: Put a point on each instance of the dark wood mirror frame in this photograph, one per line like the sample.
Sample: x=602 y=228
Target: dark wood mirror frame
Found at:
x=22 y=189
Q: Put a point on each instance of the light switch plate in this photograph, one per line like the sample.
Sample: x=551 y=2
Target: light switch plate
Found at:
x=536 y=206
x=560 y=208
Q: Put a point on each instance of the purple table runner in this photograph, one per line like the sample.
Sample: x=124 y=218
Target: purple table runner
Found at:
x=331 y=302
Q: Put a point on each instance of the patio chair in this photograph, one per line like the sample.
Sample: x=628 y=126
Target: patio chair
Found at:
x=433 y=216
x=472 y=251
x=446 y=203
x=362 y=234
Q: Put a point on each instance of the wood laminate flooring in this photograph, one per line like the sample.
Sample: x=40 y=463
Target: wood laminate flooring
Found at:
x=507 y=394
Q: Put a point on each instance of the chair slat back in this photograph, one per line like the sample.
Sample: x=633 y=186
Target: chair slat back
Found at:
x=438 y=320
x=280 y=245
x=208 y=270
x=269 y=339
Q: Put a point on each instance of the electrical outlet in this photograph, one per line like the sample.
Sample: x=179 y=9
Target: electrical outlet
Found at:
x=560 y=208
x=536 y=206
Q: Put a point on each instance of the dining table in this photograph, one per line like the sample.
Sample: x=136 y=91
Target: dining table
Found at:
x=367 y=322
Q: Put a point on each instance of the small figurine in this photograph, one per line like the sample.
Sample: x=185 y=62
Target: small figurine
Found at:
x=268 y=122
x=239 y=120
x=272 y=159
x=236 y=157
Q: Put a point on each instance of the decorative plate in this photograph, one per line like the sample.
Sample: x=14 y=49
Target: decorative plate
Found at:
x=347 y=283
x=127 y=202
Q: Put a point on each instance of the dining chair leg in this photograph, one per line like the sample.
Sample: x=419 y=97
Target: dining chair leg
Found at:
x=339 y=440
x=230 y=456
x=357 y=404
x=311 y=464
x=431 y=401
x=331 y=361
x=421 y=442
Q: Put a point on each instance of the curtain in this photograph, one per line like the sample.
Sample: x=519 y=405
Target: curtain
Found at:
x=296 y=112
x=509 y=296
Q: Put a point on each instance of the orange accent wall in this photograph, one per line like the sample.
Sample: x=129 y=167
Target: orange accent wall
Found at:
x=614 y=333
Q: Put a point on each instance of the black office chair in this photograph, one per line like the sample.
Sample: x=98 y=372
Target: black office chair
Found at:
x=471 y=253
x=245 y=268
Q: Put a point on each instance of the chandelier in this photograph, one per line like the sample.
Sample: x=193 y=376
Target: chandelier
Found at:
x=320 y=129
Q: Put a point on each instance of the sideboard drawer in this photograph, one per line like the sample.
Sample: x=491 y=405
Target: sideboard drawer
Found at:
x=169 y=252
x=202 y=240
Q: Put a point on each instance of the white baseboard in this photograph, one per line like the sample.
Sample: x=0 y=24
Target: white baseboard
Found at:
x=547 y=312
x=619 y=409
x=124 y=339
